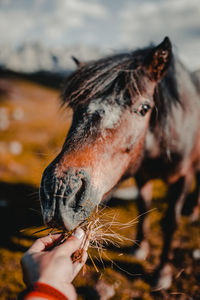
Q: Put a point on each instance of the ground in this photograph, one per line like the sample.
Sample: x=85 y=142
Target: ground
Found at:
x=32 y=131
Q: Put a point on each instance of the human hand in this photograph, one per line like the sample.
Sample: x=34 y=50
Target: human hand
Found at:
x=55 y=266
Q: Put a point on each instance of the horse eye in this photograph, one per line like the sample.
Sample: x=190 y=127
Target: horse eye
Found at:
x=143 y=109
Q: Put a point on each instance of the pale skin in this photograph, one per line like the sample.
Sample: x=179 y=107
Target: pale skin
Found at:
x=53 y=267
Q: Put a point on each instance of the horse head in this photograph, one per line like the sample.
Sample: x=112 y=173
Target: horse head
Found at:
x=112 y=100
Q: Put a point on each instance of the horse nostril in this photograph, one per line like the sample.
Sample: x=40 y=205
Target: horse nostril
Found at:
x=79 y=195
x=77 y=183
x=71 y=189
x=71 y=186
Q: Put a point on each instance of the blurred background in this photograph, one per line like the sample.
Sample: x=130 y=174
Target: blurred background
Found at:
x=37 y=40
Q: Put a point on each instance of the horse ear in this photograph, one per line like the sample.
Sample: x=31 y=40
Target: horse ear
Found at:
x=78 y=62
x=159 y=59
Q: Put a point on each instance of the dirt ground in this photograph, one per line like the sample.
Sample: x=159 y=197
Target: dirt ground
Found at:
x=31 y=134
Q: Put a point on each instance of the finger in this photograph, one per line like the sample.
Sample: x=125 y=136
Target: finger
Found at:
x=83 y=259
x=73 y=243
x=78 y=265
x=45 y=242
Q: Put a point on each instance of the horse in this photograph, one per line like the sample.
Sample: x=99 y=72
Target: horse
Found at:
x=134 y=114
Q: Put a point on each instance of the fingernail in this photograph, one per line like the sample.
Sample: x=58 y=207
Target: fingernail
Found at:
x=79 y=233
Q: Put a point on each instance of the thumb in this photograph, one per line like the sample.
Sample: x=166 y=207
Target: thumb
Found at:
x=73 y=243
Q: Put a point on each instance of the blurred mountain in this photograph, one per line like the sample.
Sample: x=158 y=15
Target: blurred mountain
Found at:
x=43 y=64
x=35 y=57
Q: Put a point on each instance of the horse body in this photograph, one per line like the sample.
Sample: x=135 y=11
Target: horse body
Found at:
x=173 y=156
x=173 y=152
x=135 y=114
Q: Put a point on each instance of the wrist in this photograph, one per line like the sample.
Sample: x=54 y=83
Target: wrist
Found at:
x=67 y=289
x=41 y=290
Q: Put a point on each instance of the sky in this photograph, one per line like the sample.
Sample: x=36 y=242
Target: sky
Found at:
x=108 y=24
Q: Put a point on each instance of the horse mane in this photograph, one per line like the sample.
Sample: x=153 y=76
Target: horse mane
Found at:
x=121 y=76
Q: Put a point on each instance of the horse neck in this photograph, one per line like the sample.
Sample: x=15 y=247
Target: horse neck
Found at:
x=171 y=135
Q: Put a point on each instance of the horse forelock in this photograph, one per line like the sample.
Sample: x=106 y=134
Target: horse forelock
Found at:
x=104 y=78
x=118 y=79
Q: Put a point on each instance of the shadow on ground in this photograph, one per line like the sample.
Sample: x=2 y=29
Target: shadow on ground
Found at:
x=19 y=209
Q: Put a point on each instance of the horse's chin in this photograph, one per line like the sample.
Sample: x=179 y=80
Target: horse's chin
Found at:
x=69 y=220
x=73 y=219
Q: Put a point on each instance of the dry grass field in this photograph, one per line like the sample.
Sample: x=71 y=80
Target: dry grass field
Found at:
x=32 y=130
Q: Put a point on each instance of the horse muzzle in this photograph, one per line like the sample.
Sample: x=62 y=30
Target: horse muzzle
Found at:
x=66 y=200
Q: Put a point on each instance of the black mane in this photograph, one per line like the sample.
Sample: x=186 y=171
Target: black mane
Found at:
x=122 y=76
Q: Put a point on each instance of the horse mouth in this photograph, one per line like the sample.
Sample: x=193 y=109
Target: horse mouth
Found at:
x=67 y=201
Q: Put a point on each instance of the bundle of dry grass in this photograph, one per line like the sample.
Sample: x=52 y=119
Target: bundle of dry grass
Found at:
x=101 y=229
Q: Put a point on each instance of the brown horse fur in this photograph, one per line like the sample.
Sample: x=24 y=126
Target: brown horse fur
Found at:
x=135 y=114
